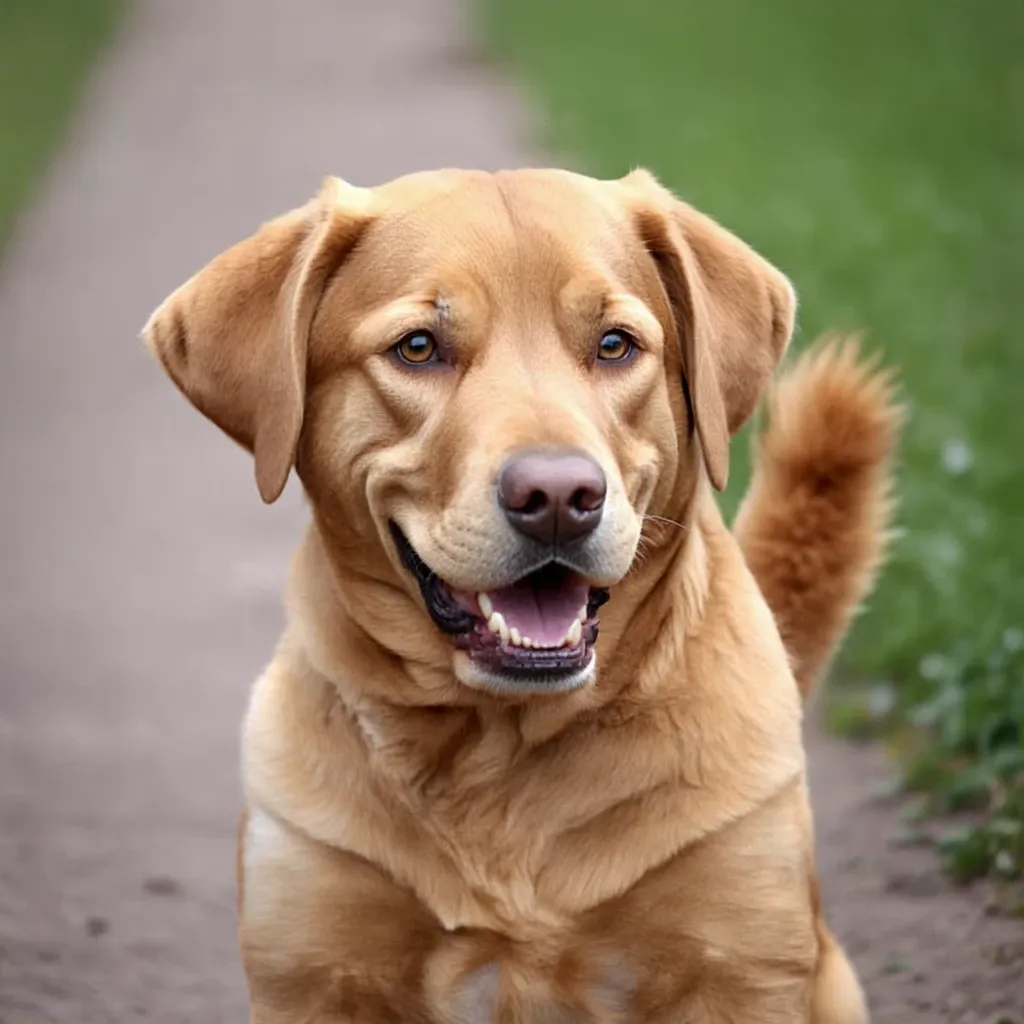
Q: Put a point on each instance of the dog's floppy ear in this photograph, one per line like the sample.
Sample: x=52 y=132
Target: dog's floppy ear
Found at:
x=734 y=312
x=234 y=337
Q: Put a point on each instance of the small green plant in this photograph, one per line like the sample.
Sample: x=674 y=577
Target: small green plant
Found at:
x=956 y=727
x=960 y=733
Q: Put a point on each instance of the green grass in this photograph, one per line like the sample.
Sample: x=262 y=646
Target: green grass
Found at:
x=874 y=149
x=46 y=46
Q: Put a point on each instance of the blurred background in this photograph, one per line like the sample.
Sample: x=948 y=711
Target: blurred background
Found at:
x=874 y=149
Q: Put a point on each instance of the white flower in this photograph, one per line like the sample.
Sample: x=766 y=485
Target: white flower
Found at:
x=957 y=457
x=933 y=666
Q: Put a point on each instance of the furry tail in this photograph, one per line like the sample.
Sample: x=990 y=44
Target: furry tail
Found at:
x=816 y=520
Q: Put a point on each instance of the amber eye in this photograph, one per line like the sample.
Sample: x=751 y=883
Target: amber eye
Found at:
x=417 y=348
x=615 y=346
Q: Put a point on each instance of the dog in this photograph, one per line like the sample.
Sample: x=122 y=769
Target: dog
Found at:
x=509 y=399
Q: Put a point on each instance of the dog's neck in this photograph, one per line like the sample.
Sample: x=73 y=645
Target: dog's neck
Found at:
x=367 y=635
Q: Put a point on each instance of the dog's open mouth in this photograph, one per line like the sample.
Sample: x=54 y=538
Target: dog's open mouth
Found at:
x=540 y=630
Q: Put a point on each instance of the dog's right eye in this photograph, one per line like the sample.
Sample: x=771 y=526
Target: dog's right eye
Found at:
x=417 y=348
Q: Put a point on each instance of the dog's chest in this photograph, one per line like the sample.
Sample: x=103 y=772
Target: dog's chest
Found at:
x=474 y=854
x=543 y=892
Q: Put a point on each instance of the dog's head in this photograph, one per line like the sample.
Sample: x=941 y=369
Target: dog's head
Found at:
x=489 y=382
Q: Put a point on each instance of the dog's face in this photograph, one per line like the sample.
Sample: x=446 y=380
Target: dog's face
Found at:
x=486 y=382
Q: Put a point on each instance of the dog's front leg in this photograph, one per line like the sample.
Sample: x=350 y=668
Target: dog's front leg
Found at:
x=326 y=937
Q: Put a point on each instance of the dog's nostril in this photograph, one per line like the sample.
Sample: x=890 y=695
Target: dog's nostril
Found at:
x=536 y=502
x=587 y=499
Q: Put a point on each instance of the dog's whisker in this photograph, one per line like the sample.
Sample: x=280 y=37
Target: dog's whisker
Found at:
x=665 y=520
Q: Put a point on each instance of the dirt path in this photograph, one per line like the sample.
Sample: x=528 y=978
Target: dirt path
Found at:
x=140 y=574
x=926 y=951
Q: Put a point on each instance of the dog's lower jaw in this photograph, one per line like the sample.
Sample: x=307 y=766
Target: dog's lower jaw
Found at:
x=477 y=677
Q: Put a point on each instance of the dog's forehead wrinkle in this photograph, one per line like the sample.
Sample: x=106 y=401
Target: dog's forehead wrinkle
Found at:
x=443 y=307
x=506 y=200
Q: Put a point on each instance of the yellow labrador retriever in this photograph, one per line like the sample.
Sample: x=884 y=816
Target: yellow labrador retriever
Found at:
x=508 y=398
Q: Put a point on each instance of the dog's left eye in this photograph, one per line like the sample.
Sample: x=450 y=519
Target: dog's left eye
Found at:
x=615 y=346
x=417 y=348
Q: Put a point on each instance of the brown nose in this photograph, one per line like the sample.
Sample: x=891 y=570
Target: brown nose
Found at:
x=553 y=495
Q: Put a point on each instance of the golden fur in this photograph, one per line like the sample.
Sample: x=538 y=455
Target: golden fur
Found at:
x=815 y=521
x=418 y=847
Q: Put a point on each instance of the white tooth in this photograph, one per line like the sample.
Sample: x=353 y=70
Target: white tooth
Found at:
x=575 y=634
x=515 y=637
x=526 y=641
x=582 y=614
x=496 y=624
x=486 y=604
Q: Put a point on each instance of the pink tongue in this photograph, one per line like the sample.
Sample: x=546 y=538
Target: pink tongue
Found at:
x=543 y=614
